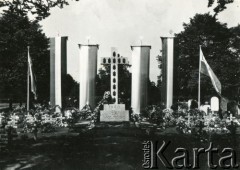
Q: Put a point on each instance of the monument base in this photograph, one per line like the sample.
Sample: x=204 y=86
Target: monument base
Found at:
x=114 y=113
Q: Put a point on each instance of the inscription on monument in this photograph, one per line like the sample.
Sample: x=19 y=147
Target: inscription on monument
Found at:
x=114 y=113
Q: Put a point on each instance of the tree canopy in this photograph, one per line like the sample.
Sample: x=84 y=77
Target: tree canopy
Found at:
x=16 y=33
x=221 y=5
x=219 y=46
x=41 y=8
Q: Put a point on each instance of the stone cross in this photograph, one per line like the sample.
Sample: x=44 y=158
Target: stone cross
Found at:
x=45 y=118
x=189 y=118
x=114 y=61
x=61 y=119
x=231 y=117
x=207 y=118
x=13 y=120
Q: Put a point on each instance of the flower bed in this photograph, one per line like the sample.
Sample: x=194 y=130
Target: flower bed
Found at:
x=204 y=124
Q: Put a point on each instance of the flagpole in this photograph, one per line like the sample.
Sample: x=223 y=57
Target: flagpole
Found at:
x=28 y=83
x=199 y=78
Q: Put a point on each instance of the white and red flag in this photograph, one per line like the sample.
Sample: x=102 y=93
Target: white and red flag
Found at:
x=32 y=77
x=206 y=70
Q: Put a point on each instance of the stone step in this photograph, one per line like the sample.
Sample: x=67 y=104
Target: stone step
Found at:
x=82 y=123
x=115 y=132
x=114 y=125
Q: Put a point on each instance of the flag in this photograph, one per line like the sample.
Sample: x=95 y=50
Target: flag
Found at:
x=206 y=70
x=32 y=77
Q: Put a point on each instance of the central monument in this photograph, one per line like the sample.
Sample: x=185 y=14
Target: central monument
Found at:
x=114 y=112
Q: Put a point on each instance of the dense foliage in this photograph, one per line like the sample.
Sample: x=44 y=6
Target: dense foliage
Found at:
x=41 y=8
x=221 y=5
x=219 y=46
x=16 y=33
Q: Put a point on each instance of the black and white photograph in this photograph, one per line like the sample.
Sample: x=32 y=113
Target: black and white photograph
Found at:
x=119 y=84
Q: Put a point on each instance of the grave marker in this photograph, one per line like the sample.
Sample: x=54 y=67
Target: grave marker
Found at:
x=1 y=117
x=205 y=108
x=114 y=61
x=189 y=104
x=214 y=104
x=231 y=117
x=188 y=118
x=61 y=118
x=232 y=127
x=207 y=119
x=114 y=112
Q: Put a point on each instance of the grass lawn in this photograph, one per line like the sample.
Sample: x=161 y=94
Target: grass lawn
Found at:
x=99 y=148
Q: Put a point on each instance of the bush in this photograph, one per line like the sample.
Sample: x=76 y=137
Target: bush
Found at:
x=153 y=114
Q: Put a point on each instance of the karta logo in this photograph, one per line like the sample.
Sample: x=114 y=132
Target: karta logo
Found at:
x=152 y=155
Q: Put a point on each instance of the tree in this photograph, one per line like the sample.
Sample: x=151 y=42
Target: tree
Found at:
x=16 y=33
x=221 y=5
x=216 y=41
x=154 y=96
x=70 y=91
x=41 y=8
x=38 y=8
x=235 y=39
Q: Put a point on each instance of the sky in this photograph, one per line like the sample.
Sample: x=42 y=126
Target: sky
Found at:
x=122 y=23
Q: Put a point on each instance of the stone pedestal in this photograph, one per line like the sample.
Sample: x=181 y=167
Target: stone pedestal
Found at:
x=114 y=113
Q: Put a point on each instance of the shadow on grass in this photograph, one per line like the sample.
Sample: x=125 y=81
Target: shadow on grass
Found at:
x=96 y=149
x=100 y=148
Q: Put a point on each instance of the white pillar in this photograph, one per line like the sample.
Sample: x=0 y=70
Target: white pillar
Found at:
x=140 y=77
x=88 y=72
x=167 y=71
x=58 y=68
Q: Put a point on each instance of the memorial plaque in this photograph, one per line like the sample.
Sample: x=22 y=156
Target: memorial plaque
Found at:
x=114 y=113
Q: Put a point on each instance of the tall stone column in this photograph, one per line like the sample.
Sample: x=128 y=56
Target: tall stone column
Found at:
x=140 y=77
x=58 y=68
x=167 y=71
x=88 y=72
